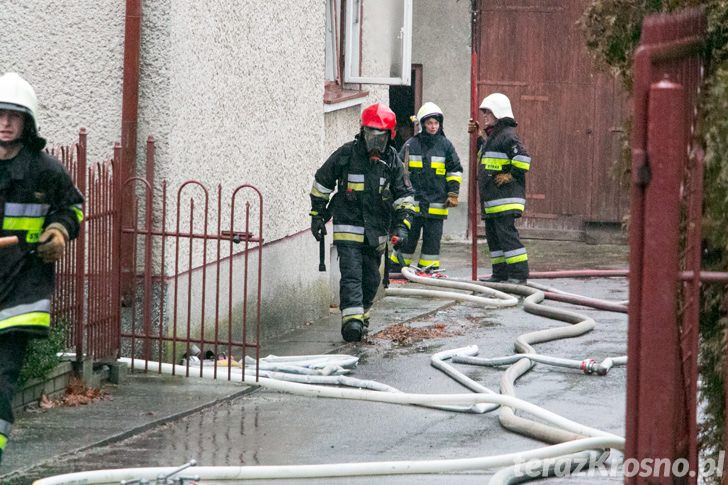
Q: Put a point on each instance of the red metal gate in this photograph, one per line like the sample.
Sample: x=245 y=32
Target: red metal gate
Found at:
x=197 y=259
x=194 y=277
x=665 y=245
x=68 y=302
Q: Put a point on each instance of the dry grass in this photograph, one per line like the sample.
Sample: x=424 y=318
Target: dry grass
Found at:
x=76 y=395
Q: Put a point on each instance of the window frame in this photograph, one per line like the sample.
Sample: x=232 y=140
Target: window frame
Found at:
x=352 y=40
x=342 y=89
x=336 y=96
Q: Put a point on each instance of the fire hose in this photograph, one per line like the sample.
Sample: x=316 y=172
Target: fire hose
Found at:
x=573 y=438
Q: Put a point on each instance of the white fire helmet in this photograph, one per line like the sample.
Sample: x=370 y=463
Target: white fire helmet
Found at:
x=427 y=110
x=499 y=105
x=16 y=94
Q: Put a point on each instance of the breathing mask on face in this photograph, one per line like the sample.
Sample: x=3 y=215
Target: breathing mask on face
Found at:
x=375 y=141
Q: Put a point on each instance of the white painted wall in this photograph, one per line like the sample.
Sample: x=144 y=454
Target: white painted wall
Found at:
x=441 y=43
x=72 y=53
x=231 y=91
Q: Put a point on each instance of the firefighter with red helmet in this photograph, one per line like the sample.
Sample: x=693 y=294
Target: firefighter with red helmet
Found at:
x=363 y=186
x=40 y=206
x=502 y=167
x=435 y=171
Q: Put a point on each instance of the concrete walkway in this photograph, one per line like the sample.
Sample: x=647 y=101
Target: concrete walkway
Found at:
x=144 y=401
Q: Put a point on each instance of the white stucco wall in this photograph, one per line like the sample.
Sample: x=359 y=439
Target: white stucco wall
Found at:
x=244 y=102
x=232 y=94
x=441 y=43
x=72 y=53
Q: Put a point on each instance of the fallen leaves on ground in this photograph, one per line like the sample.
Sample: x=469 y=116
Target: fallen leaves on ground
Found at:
x=77 y=394
x=402 y=334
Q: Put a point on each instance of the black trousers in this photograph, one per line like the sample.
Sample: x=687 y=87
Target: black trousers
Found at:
x=431 y=231
x=13 y=346
x=360 y=278
x=508 y=256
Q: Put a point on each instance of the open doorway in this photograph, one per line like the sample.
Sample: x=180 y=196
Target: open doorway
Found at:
x=404 y=101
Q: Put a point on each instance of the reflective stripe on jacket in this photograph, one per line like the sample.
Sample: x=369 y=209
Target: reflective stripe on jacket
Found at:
x=35 y=191
x=434 y=169
x=368 y=194
x=502 y=152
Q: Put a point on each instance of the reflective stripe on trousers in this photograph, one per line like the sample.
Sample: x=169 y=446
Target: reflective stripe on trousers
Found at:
x=360 y=278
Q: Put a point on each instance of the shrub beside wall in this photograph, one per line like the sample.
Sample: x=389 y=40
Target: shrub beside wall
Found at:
x=612 y=28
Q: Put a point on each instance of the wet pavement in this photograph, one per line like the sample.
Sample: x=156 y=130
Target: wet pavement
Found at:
x=164 y=421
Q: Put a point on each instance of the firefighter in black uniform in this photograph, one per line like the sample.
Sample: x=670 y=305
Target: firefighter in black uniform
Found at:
x=435 y=171
x=41 y=207
x=502 y=167
x=371 y=189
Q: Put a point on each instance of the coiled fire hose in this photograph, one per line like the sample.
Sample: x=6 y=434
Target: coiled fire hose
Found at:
x=575 y=440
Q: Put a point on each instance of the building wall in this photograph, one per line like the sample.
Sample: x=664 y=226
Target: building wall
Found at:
x=441 y=43
x=72 y=54
x=245 y=89
x=231 y=95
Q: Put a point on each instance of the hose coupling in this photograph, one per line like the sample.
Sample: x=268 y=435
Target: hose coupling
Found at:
x=604 y=367
x=589 y=366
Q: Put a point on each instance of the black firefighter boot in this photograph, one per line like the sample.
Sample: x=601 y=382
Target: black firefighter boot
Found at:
x=353 y=330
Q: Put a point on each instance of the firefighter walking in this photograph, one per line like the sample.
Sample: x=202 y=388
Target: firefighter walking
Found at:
x=503 y=163
x=41 y=207
x=435 y=172
x=372 y=193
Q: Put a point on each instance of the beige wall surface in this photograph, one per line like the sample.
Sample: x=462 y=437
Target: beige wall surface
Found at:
x=71 y=51
x=244 y=104
x=231 y=91
x=441 y=43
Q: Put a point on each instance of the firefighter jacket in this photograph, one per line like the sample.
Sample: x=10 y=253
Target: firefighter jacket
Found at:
x=368 y=194
x=502 y=152
x=35 y=191
x=434 y=169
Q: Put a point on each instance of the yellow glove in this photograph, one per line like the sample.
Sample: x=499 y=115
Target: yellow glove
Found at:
x=473 y=125
x=52 y=243
x=452 y=199
x=503 y=178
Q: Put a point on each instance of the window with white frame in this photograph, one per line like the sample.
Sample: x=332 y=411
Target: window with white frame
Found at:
x=367 y=42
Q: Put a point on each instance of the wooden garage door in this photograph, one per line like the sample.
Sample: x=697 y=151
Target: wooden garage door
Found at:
x=569 y=112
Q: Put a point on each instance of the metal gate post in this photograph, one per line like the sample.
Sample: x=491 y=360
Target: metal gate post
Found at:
x=80 y=248
x=473 y=202
x=116 y=249
x=654 y=356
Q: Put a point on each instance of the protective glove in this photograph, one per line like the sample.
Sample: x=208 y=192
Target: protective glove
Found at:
x=318 y=227
x=52 y=243
x=399 y=237
x=473 y=125
x=503 y=178
x=452 y=199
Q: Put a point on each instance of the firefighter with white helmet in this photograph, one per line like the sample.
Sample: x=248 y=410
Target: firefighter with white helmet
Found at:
x=370 y=188
x=503 y=163
x=435 y=172
x=40 y=206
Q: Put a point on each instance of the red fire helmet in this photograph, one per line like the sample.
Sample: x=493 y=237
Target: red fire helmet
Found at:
x=379 y=116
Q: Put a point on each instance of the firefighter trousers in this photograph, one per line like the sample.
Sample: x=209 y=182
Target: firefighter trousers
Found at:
x=13 y=346
x=431 y=231
x=508 y=256
x=360 y=278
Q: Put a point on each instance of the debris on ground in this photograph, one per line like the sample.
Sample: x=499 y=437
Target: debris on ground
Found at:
x=402 y=334
x=77 y=394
